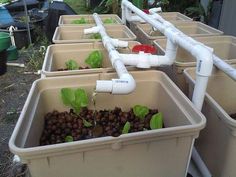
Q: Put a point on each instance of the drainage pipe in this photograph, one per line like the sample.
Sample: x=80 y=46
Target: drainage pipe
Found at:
x=126 y=83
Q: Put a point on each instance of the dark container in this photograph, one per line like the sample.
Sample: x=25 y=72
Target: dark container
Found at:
x=56 y=9
x=20 y=35
x=3 y=62
x=19 y=5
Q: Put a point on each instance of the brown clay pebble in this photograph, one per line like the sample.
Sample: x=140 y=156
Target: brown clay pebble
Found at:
x=58 y=125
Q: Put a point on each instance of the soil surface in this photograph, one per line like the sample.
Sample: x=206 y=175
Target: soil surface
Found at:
x=90 y=124
x=14 y=88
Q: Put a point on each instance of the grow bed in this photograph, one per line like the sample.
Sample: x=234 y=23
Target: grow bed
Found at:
x=146 y=34
x=75 y=34
x=217 y=142
x=70 y=20
x=224 y=47
x=57 y=57
x=150 y=152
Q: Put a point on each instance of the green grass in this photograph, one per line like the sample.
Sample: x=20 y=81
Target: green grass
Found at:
x=79 y=6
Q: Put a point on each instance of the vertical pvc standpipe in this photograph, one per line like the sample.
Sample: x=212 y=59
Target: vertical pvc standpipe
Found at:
x=126 y=83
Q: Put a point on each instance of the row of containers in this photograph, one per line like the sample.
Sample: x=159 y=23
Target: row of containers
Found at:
x=161 y=152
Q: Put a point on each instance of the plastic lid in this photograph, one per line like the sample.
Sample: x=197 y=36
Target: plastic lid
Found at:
x=145 y=48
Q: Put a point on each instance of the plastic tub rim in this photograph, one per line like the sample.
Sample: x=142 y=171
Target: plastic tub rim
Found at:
x=224 y=116
x=178 y=24
x=116 y=17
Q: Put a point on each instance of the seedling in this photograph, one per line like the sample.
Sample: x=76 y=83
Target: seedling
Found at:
x=94 y=59
x=76 y=99
x=156 y=121
x=126 y=128
x=108 y=21
x=69 y=139
x=72 y=65
x=140 y=111
x=96 y=36
x=86 y=123
x=79 y=21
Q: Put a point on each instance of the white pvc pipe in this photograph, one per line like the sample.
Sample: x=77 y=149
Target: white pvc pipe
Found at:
x=202 y=54
x=200 y=164
x=222 y=65
x=146 y=60
x=126 y=83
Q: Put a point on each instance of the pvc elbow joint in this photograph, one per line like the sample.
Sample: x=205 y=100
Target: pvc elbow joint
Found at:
x=119 y=43
x=125 y=85
x=204 y=56
x=94 y=29
x=155 y=10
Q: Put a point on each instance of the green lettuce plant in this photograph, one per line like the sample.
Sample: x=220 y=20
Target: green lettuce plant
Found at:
x=140 y=111
x=79 y=21
x=76 y=99
x=108 y=21
x=156 y=121
x=94 y=59
x=126 y=128
x=95 y=36
x=72 y=65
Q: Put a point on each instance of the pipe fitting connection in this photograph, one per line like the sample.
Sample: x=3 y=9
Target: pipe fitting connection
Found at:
x=94 y=29
x=204 y=58
x=125 y=85
x=119 y=43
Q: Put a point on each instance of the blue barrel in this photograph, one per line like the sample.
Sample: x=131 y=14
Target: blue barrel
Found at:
x=5 y=16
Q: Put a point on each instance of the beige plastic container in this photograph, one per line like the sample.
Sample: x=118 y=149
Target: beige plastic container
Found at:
x=75 y=34
x=146 y=34
x=58 y=54
x=217 y=142
x=224 y=47
x=169 y=16
x=156 y=153
x=66 y=20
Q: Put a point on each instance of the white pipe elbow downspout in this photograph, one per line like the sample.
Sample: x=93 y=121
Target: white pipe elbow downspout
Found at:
x=126 y=83
x=203 y=70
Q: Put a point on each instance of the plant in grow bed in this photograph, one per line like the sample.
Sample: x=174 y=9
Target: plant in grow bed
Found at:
x=81 y=123
x=126 y=128
x=79 y=21
x=156 y=121
x=94 y=59
x=72 y=65
x=108 y=21
x=140 y=111
x=95 y=36
x=76 y=99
